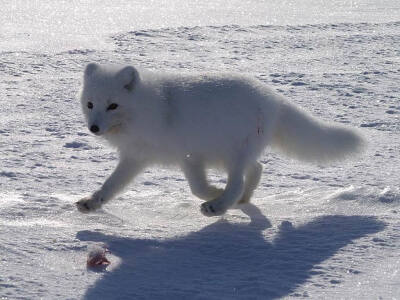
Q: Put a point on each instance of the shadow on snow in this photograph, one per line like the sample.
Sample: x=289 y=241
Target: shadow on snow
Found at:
x=225 y=260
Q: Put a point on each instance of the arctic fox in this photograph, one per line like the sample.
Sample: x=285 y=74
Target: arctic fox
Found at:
x=199 y=121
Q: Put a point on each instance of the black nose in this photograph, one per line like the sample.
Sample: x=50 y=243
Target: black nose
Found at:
x=94 y=128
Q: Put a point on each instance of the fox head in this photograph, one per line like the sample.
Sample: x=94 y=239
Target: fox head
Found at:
x=105 y=96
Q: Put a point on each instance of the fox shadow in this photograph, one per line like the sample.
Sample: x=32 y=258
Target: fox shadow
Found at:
x=225 y=260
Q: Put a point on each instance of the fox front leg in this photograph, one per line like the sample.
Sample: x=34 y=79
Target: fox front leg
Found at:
x=126 y=170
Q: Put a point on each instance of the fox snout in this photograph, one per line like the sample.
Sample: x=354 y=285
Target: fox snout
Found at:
x=94 y=129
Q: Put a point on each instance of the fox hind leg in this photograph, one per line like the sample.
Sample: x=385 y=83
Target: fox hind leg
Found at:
x=196 y=175
x=252 y=179
x=233 y=192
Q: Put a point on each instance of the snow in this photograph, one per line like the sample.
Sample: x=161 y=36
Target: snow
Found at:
x=317 y=232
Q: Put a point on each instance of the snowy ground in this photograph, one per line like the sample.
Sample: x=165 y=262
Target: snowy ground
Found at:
x=314 y=231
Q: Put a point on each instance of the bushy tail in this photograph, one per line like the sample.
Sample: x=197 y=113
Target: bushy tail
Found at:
x=300 y=135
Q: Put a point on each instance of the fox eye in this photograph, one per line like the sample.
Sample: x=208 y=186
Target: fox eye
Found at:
x=112 y=106
x=90 y=105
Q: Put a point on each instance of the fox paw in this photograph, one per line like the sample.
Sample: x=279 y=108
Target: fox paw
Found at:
x=89 y=204
x=212 y=208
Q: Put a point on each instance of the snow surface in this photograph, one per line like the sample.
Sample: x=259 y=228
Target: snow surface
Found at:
x=313 y=232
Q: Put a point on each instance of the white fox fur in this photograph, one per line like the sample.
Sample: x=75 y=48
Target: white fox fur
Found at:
x=199 y=121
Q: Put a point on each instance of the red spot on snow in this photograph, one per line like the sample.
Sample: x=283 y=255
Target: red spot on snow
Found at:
x=97 y=258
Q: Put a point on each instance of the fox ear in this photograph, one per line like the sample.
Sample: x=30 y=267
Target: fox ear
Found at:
x=90 y=69
x=129 y=77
